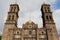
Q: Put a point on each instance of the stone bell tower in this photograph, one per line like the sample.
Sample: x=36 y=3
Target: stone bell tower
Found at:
x=11 y=22
x=48 y=22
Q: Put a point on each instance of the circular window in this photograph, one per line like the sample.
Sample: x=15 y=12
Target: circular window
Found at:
x=30 y=26
x=17 y=32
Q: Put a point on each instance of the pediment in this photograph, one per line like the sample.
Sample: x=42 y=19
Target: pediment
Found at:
x=30 y=24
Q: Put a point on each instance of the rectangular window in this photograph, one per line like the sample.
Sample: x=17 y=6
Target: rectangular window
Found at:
x=30 y=32
x=13 y=17
x=44 y=9
x=26 y=32
x=9 y=17
x=48 y=9
x=14 y=9
x=11 y=9
x=46 y=17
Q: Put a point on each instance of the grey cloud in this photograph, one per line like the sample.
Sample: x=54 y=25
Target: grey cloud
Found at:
x=56 y=15
x=26 y=7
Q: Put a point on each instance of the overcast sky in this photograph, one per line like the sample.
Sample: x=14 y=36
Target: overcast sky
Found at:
x=28 y=7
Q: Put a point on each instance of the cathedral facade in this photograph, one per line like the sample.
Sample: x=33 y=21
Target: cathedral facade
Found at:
x=30 y=30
